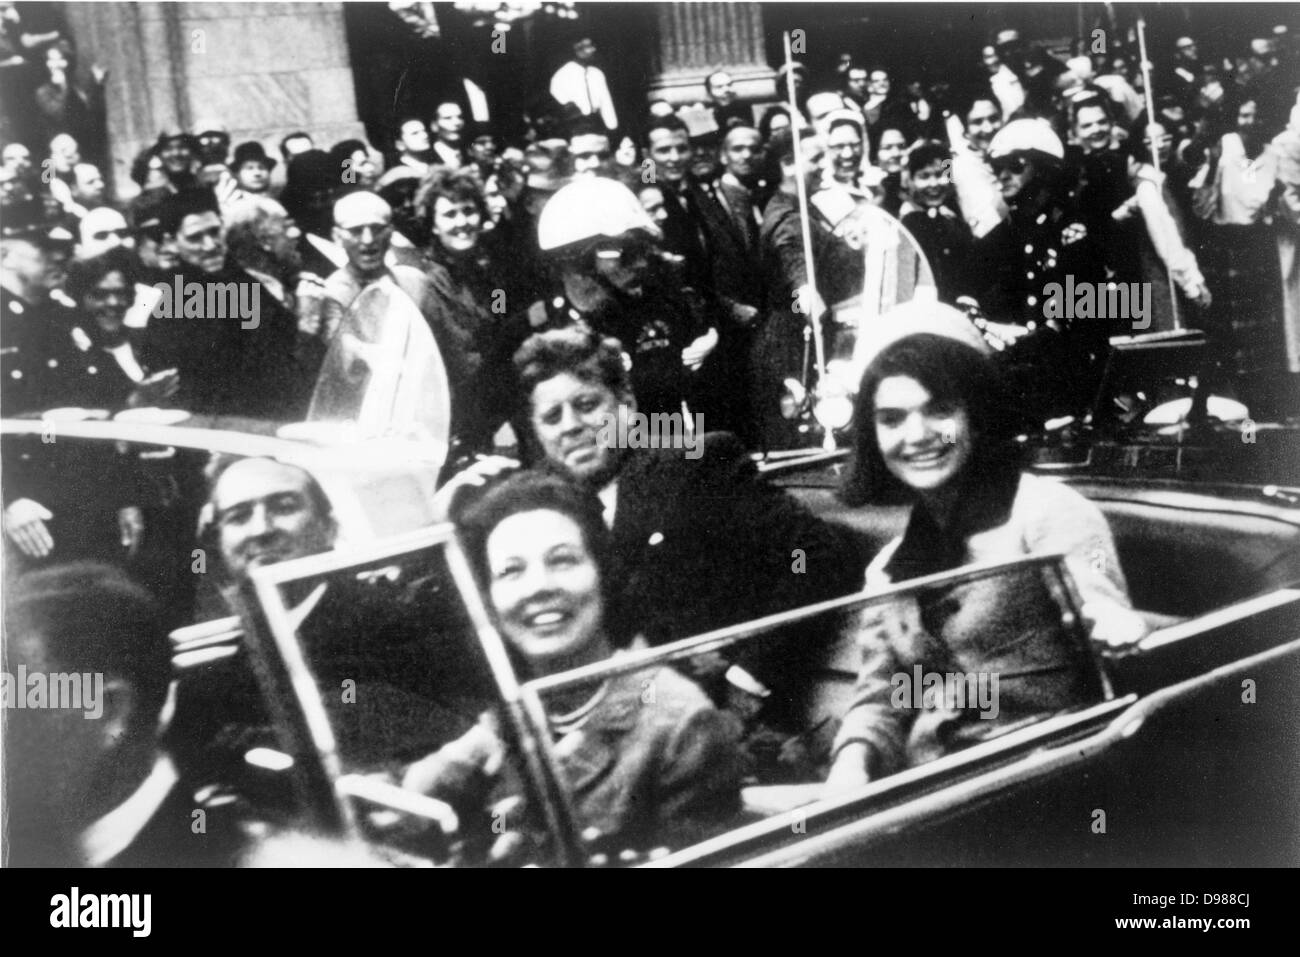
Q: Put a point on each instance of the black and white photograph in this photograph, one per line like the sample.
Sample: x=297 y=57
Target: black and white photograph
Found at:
x=550 y=434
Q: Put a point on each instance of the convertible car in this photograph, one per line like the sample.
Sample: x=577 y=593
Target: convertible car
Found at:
x=1185 y=755
x=1184 y=750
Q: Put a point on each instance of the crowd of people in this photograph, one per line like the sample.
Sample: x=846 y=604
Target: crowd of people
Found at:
x=576 y=273
x=1052 y=171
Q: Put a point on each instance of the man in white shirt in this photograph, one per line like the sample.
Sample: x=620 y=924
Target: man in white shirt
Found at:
x=1004 y=82
x=583 y=85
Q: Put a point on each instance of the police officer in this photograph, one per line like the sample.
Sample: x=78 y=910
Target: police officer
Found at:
x=1041 y=242
x=38 y=357
x=613 y=279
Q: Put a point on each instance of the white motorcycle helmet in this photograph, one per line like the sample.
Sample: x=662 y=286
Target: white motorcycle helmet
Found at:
x=590 y=209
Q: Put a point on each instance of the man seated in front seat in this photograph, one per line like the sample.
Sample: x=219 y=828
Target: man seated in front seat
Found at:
x=383 y=675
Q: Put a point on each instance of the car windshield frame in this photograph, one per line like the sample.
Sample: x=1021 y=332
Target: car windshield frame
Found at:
x=329 y=788
x=1062 y=591
x=326 y=786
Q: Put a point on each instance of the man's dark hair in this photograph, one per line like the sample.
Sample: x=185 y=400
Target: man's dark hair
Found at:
x=344 y=149
x=672 y=123
x=188 y=202
x=579 y=352
x=952 y=372
x=587 y=124
x=85 y=274
x=927 y=153
x=91 y=618
x=980 y=95
x=397 y=130
x=1093 y=98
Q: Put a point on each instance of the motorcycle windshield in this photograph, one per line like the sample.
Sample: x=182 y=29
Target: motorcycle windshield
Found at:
x=383 y=374
x=888 y=269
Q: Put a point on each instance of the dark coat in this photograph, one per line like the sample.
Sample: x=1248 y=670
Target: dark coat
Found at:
x=731 y=231
x=704 y=543
x=38 y=358
x=227 y=365
x=1053 y=371
x=949 y=246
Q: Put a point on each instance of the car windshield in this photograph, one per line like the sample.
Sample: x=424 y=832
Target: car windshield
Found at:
x=997 y=649
x=647 y=751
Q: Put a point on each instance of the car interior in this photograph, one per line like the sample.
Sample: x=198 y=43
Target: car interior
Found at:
x=1191 y=559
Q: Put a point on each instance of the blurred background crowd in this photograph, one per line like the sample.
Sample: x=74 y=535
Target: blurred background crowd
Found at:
x=1030 y=163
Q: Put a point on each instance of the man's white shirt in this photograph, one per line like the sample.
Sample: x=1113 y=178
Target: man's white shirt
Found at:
x=585 y=88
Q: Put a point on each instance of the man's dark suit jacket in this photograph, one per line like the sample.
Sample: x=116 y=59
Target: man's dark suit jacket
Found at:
x=704 y=543
x=227 y=366
x=734 y=257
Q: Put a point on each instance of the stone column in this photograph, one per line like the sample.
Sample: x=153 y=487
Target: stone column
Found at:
x=263 y=69
x=697 y=38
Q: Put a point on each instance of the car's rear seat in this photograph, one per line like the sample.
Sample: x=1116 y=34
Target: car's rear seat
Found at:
x=1183 y=554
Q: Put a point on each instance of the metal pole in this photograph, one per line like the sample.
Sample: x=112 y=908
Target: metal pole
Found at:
x=805 y=220
x=1155 y=151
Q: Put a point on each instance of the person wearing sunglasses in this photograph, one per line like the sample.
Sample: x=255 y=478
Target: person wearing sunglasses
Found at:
x=1041 y=242
x=614 y=279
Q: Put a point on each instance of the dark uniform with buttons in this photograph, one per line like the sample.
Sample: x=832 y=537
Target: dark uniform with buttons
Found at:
x=1054 y=369
x=653 y=329
x=949 y=245
x=39 y=360
x=43 y=365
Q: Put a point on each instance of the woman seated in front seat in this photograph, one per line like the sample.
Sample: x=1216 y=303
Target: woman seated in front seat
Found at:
x=647 y=759
x=934 y=425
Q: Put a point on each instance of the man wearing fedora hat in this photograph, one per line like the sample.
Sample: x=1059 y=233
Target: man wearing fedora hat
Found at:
x=252 y=168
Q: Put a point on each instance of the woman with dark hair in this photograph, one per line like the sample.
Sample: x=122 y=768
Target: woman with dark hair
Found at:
x=776 y=118
x=104 y=288
x=643 y=769
x=1238 y=194
x=934 y=427
x=472 y=293
x=891 y=157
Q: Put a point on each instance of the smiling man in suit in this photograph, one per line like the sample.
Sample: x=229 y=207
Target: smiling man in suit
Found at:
x=701 y=541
